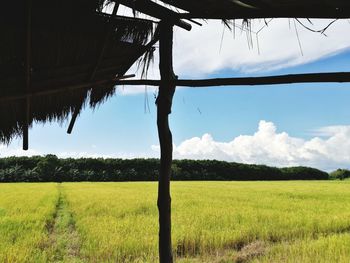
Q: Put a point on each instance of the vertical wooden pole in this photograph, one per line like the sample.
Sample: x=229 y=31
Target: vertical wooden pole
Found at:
x=74 y=117
x=27 y=72
x=164 y=103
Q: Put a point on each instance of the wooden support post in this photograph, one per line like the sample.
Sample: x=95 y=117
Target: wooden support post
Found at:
x=26 y=125
x=164 y=103
x=74 y=116
x=27 y=74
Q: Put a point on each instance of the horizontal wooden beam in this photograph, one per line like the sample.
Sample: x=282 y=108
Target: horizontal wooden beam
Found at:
x=339 y=77
x=115 y=18
x=331 y=13
x=78 y=70
x=66 y=88
x=155 y=10
x=251 y=81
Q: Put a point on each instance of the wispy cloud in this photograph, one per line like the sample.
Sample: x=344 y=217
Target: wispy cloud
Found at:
x=198 y=52
x=206 y=50
x=329 y=131
x=7 y=151
x=16 y=151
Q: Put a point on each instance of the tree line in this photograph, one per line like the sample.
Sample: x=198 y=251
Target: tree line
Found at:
x=340 y=174
x=49 y=168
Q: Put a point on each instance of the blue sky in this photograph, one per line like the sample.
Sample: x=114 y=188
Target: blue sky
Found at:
x=283 y=125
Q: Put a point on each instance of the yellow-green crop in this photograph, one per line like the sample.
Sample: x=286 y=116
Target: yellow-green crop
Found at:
x=25 y=213
x=300 y=221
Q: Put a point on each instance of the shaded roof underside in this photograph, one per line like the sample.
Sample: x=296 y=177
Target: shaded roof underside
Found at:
x=74 y=60
x=235 y=9
x=72 y=44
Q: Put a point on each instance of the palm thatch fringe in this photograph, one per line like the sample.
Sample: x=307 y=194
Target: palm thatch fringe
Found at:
x=66 y=43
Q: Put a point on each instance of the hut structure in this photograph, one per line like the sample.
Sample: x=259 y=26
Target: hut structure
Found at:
x=57 y=56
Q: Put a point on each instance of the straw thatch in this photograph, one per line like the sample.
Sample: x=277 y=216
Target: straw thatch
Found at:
x=77 y=52
x=72 y=44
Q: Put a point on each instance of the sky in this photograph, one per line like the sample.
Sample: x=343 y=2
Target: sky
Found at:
x=282 y=125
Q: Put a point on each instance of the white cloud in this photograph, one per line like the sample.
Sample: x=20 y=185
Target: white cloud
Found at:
x=121 y=155
x=136 y=90
x=198 y=52
x=13 y=150
x=267 y=146
x=328 y=150
x=206 y=50
x=16 y=151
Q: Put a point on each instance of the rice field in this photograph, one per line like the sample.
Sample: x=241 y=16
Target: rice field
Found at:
x=297 y=221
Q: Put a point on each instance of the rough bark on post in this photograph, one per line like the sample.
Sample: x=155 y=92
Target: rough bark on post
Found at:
x=164 y=102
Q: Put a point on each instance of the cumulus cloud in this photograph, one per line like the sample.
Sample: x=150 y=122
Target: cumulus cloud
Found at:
x=270 y=147
x=328 y=149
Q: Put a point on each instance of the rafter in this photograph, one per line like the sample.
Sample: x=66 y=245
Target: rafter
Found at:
x=104 y=43
x=155 y=10
x=95 y=68
x=65 y=88
x=272 y=13
x=339 y=77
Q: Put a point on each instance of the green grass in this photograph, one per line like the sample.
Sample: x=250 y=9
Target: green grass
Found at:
x=212 y=222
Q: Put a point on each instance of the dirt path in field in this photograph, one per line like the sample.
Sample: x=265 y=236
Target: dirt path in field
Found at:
x=63 y=240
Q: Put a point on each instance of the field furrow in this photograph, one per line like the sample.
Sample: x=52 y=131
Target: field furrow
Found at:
x=63 y=240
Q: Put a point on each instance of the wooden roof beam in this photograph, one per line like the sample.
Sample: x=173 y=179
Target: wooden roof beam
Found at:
x=94 y=70
x=250 y=81
x=273 y=13
x=155 y=10
x=339 y=77
x=65 y=88
x=104 y=43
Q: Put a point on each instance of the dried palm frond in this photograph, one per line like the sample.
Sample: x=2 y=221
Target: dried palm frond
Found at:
x=67 y=49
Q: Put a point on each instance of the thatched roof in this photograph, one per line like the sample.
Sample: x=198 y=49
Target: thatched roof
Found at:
x=234 y=9
x=57 y=55
x=239 y=9
x=75 y=54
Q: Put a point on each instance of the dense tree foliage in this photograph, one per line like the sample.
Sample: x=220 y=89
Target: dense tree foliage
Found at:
x=52 y=169
x=340 y=174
